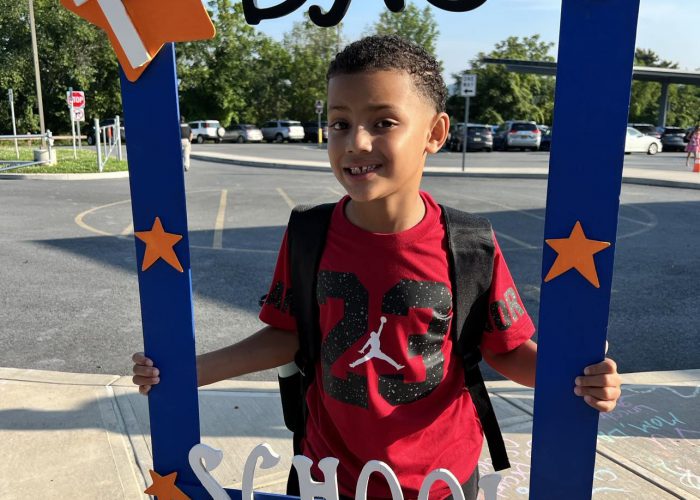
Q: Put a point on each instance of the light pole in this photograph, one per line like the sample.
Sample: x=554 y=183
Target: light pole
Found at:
x=36 y=71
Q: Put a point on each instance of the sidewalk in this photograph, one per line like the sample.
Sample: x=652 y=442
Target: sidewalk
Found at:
x=649 y=177
x=65 y=435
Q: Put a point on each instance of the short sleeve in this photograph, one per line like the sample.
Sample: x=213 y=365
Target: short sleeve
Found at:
x=508 y=325
x=276 y=310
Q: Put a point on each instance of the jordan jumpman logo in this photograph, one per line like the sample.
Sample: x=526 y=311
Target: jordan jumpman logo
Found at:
x=375 y=350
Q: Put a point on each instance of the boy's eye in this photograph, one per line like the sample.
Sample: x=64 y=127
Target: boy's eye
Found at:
x=338 y=125
x=386 y=124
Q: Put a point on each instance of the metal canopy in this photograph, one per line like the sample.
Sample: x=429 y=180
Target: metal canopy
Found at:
x=664 y=76
x=642 y=73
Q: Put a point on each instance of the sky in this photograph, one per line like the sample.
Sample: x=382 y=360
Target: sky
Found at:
x=668 y=27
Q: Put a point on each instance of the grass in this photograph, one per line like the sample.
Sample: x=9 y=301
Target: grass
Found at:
x=86 y=161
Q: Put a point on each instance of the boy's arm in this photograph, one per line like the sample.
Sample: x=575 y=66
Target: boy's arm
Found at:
x=599 y=385
x=267 y=348
x=518 y=365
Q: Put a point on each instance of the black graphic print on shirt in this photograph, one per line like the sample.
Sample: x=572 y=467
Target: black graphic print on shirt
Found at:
x=399 y=300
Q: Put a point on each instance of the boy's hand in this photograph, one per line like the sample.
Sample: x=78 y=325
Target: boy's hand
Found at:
x=145 y=374
x=600 y=385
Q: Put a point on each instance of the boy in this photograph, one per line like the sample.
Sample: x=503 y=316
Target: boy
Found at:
x=397 y=393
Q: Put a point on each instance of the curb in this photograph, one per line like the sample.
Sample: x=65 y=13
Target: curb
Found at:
x=501 y=173
x=66 y=177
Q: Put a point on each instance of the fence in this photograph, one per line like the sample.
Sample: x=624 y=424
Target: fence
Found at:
x=107 y=139
x=46 y=138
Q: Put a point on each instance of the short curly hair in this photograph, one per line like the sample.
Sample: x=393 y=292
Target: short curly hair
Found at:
x=392 y=52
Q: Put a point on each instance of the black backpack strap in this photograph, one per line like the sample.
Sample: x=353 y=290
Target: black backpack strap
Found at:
x=471 y=266
x=306 y=236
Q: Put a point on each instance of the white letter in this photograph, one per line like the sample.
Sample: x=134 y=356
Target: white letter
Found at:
x=309 y=488
x=269 y=460
x=441 y=475
x=384 y=470
x=489 y=485
x=202 y=460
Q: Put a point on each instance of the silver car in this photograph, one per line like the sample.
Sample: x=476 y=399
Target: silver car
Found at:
x=282 y=130
x=518 y=134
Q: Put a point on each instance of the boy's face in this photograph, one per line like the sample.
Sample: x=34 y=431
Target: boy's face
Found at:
x=379 y=132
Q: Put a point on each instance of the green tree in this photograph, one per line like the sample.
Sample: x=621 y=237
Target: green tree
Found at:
x=311 y=50
x=412 y=23
x=72 y=53
x=504 y=95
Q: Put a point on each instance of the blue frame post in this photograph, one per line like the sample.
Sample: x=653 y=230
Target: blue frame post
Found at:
x=596 y=54
x=157 y=184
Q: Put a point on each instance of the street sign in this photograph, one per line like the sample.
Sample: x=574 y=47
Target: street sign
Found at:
x=468 y=85
x=78 y=114
x=75 y=99
x=319 y=106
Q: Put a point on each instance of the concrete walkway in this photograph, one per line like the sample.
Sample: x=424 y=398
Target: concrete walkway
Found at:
x=81 y=436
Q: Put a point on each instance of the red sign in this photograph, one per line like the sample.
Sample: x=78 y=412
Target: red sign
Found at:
x=76 y=99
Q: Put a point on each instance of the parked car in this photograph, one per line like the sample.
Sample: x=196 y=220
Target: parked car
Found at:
x=517 y=134
x=104 y=123
x=243 y=132
x=546 y=141
x=646 y=129
x=311 y=131
x=673 y=139
x=479 y=137
x=282 y=130
x=207 y=130
x=637 y=142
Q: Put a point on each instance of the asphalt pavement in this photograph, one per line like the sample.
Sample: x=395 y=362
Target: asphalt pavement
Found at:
x=86 y=435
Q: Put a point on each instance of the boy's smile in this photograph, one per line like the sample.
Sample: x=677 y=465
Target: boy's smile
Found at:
x=380 y=129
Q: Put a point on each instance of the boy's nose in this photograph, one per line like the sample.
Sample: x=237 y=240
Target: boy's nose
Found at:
x=359 y=140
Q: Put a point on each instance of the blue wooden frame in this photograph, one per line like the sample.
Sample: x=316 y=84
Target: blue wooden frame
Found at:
x=594 y=75
x=596 y=51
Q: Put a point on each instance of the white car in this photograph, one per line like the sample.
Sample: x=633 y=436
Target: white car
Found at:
x=207 y=130
x=636 y=142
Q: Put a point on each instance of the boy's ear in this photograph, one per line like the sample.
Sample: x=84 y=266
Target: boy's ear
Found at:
x=438 y=133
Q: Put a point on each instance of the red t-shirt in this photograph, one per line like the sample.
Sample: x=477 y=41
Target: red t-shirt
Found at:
x=388 y=386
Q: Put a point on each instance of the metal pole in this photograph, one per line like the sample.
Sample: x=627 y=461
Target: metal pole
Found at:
x=11 y=96
x=118 y=131
x=97 y=144
x=320 y=130
x=464 y=135
x=72 y=121
x=36 y=70
x=49 y=142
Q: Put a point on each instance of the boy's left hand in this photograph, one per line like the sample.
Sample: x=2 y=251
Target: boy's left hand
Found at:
x=600 y=385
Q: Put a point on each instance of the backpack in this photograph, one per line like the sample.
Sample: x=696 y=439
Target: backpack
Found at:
x=471 y=257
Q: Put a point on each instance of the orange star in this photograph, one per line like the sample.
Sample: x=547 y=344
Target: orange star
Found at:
x=576 y=252
x=138 y=29
x=164 y=488
x=159 y=245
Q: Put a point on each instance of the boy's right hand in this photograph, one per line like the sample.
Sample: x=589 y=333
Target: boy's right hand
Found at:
x=145 y=374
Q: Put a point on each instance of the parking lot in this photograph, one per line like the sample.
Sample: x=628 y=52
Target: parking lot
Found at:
x=70 y=293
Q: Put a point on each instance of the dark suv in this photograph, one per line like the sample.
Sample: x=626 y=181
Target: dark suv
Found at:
x=311 y=131
x=479 y=138
x=673 y=139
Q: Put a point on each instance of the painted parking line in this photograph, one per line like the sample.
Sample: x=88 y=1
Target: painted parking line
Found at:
x=219 y=223
x=128 y=230
x=80 y=218
x=286 y=198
